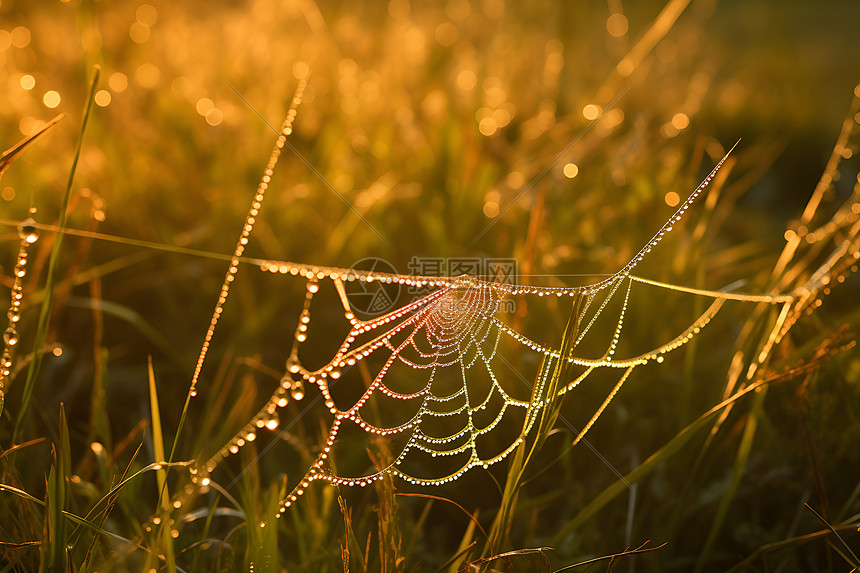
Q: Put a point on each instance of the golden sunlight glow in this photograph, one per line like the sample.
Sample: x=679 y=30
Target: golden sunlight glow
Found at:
x=204 y=105
x=613 y=117
x=680 y=121
x=147 y=75
x=617 y=25
x=102 y=98
x=668 y=130
x=491 y=203
x=139 y=33
x=458 y=10
x=146 y=14
x=672 y=198
x=214 y=116
x=494 y=95
x=488 y=126
x=467 y=80
x=515 y=180
x=389 y=149
x=447 y=34
x=301 y=70
x=118 y=82
x=27 y=124
x=399 y=9
x=591 y=112
x=51 y=99
x=20 y=37
x=625 y=67
x=502 y=117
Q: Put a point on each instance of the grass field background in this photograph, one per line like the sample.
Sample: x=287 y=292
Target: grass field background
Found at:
x=558 y=134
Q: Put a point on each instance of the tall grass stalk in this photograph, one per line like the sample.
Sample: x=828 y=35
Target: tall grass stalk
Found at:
x=546 y=400
x=57 y=499
x=165 y=542
x=45 y=311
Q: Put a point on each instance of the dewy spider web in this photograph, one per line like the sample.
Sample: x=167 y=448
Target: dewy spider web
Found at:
x=447 y=344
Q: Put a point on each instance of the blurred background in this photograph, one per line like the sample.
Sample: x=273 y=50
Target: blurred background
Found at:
x=561 y=134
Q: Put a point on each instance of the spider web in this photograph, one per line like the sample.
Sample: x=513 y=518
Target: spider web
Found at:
x=435 y=364
x=432 y=367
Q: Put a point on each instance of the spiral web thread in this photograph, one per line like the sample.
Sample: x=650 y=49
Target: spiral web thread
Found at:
x=454 y=333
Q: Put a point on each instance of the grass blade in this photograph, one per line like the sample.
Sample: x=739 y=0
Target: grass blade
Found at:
x=548 y=416
x=53 y=548
x=737 y=473
x=654 y=461
x=350 y=541
x=11 y=154
x=844 y=550
x=45 y=312
x=161 y=473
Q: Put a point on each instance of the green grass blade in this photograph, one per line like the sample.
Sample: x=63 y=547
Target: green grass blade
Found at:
x=463 y=549
x=843 y=549
x=548 y=416
x=53 y=548
x=14 y=152
x=653 y=462
x=161 y=474
x=351 y=549
x=130 y=316
x=157 y=437
x=45 y=311
x=741 y=459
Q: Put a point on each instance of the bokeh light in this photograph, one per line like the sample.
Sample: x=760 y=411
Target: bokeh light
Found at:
x=118 y=82
x=214 y=116
x=20 y=37
x=51 y=99
x=433 y=121
x=139 y=32
x=467 y=80
x=680 y=121
x=591 y=112
x=672 y=199
x=204 y=105
x=447 y=34
x=146 y=14
x=102 y=98
x=617 y=25
x=147 y=75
